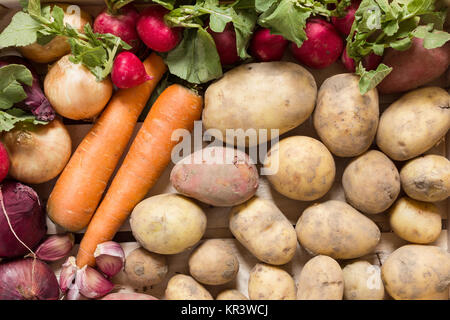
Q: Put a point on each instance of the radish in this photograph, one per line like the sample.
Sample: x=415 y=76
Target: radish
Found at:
x=128 y=71
x=322 y=47
x=4 y=162
x=154 y=31
x=122 y=25
x=369 y=62
x=266 y=46
x=226 y=44
x=344 y=24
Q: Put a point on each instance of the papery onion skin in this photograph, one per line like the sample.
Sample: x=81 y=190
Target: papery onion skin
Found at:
x=16 y=281
x=27 y=219
x=58 y=46
x=74 y=92
x=38 y=154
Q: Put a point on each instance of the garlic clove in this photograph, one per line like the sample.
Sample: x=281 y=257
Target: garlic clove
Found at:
x=91 y=283
x=110 y=258
x=55 y=247
x=73 y=293
x=67 y=275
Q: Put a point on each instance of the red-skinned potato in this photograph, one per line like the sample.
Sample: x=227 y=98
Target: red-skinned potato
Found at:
x=414 y=67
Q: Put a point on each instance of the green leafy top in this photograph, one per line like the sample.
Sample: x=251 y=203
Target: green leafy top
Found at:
x=382 y=24
x=196 y=59
x=12 y=78
x=41 y=25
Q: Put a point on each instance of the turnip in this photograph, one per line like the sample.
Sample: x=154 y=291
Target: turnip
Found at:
x=322 y=47
x=122 y=25
x=154 y=32
x=344 y=24
x=226 y=44
x=369 y=62
x=265 y=46
x=4 y=162
x=128 y=71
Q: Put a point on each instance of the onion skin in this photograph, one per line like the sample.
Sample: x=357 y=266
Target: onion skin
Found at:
x=59 y=46
x=26 y=216
x=74 y=92
x=40 y=154
x=16 y=281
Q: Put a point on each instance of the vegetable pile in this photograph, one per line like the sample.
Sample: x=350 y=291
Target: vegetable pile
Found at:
x=249 y=66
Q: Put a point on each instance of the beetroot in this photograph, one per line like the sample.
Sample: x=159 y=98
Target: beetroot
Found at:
x=265 y=46
x=226 y=44
x=128 y=71
x=323 y=46
x=26 y=216
x=344 y=24
x=154 y=32
x=4 y=162
x=122 y=25
x=369 y=62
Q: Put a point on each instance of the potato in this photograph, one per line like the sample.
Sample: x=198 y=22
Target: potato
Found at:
x=345 y=120
x=362 y=281
x=218 y=176
x=333 y=228
x=321 y=279
x=371 y=182
x=415 y=221
x=231 y=294
x=414 y=123
x=58 y=46
x=213 y=262
x=270 y=283
x=128 y=296
x=264 y=230
x=183 y=287
x=417 y=272
x=266 y=95
x=302 y=167
x=167 y=223
x=414 y=67
x=427 y=178
x=144 y=268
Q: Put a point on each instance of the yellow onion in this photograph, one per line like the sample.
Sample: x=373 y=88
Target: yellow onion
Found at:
x=38 y=154
x=74 y=92
x=58 y=46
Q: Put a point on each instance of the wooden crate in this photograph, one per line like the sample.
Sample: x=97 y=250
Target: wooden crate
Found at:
x=217 y=226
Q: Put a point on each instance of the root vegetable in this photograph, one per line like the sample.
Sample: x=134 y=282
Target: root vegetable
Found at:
x=4 y=162
x=154 y=32
x=38 y=154
x=344 y=24
x=128 y=71
x=266 y=47
x=74 y=92
x=323 y=46
x=80 y=187
x=226 y=44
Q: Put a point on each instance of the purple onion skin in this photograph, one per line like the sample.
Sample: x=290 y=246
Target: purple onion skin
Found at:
x=26 y=216
x=16 y=281
x=36 y=102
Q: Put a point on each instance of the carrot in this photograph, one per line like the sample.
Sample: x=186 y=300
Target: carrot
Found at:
x=80 y=186
x=176 y=108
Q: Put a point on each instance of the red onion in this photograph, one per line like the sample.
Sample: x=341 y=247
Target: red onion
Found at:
x=21 y=205
x=27 y=279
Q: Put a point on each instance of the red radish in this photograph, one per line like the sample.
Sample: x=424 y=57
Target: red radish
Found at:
x=344 y=24
x=4 y=162
x=153 y=30
x=266 y=46
x=323 y=46
x=226 y=44
x=122 y=25
x=128 y=71
x=369 y=62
